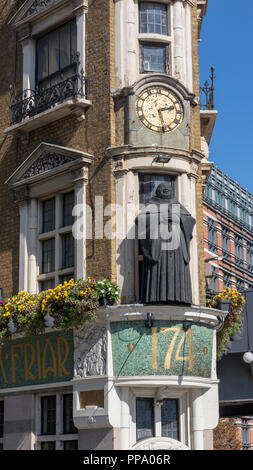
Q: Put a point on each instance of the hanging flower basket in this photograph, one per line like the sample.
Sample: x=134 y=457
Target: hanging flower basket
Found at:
x=67 y=306
x=232 y=301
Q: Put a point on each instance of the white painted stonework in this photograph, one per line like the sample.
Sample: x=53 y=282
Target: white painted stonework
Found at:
x=127 y=40
x=160 y=443
x=90 y=356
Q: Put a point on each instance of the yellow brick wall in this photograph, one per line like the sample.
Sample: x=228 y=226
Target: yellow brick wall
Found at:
x=196 y=144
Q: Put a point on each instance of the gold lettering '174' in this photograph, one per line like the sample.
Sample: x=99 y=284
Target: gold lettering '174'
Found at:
x=167 y=363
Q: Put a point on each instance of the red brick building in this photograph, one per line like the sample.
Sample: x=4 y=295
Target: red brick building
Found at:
x=228 y=234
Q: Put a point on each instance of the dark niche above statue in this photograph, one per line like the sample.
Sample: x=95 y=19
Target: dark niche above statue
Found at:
x=167 y=227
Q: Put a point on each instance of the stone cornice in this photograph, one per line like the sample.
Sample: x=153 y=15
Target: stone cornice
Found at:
x=151 y=80
x=46 y=161
x=32 y=10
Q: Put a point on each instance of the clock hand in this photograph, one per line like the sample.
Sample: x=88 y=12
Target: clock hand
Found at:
x=167 y=109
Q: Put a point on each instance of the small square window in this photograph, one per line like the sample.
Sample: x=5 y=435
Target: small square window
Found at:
x=48 y=416
x=48 y=445
x=70 y=445
x=154 y=58
x=46 y=285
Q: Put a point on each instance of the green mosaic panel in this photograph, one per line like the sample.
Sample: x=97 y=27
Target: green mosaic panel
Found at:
x=165 y=349
x=38 y=360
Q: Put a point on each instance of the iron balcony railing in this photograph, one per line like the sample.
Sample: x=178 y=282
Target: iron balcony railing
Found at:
x=207 y=93
x=33 y=102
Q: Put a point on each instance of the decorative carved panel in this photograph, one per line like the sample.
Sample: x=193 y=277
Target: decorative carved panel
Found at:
x=47 y=161
x=90 y=350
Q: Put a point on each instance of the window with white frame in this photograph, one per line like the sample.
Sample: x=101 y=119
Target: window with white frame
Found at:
x=55 y=428
x=1 y=423
x=154 y=37
x=57 y=247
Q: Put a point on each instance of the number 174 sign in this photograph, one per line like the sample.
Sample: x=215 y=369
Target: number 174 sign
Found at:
x=165 y=349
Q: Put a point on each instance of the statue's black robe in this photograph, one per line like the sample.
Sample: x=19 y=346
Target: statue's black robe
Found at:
x=165 y=275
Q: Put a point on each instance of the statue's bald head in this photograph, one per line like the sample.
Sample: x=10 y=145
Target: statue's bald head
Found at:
x=164 y=191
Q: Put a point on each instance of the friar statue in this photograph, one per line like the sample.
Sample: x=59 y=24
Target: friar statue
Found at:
x=168 y=228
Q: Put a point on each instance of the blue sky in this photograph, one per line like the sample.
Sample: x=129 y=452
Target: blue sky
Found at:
x=227 y=43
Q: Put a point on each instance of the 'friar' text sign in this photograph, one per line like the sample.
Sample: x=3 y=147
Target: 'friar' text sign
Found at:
x=41 y=359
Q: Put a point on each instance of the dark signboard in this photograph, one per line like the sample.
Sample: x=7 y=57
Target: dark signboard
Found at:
x=41 y=359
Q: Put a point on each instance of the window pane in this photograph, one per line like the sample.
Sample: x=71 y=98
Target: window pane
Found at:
x=68 y=425
x=149 y=184
x=48 y=256
x=73 y=41
x=1 y=418
x=66 y=278
x=48 y=215
x=170 y=421
x=1 y=446
x=48 y=445
x=70 y=445
x=68 y=205
x=42 y=58
x=54 y=52
x=48 y=415
x=144 y=418
x=65 y=43
x=153 y=18
x=153 y=58
x=68 y=251
x=46 y=285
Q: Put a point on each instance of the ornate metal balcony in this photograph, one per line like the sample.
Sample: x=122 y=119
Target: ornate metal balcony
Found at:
x=33 y=102
x=207 y=93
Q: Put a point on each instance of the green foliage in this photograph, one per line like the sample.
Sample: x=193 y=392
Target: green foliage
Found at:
x=233 y=321
x=70 y=304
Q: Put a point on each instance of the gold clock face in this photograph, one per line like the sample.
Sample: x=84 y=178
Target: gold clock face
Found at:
x=159 y=109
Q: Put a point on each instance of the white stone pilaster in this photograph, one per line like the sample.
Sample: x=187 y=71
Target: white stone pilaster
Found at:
x=23 y=253
x=131 y=15
x=32 y=249
x=179 y=40
x=188 y=47
x=81 y=35
x=197 y=419
x=80 y=241
x=125 y=420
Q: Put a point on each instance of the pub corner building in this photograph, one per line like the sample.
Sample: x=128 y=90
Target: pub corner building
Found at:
x=105 y=103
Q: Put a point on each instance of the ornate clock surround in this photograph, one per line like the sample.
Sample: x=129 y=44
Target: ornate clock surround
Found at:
x=145 y=132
